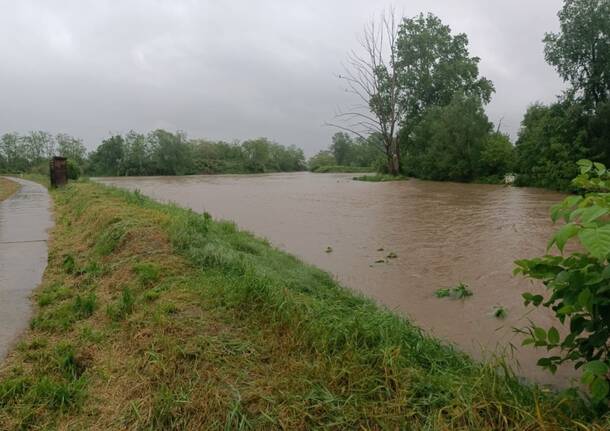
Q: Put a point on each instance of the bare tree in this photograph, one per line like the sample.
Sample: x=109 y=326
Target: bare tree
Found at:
x=372 y=76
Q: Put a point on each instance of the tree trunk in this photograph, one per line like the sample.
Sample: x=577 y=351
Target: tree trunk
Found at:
x=397 y=152
x=393 y=155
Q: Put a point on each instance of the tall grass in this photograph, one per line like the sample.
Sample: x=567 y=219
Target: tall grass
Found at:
x=185 y=322
x=7 y=188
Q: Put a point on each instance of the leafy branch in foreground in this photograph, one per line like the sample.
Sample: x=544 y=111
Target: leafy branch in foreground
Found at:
x=579 y=283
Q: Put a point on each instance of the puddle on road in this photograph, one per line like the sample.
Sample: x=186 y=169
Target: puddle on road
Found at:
x=24 y=220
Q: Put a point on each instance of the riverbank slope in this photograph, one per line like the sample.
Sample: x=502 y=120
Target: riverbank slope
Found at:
x=152 y=316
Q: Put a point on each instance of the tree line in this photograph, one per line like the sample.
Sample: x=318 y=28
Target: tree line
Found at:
x=157 y=153
x=423 y=99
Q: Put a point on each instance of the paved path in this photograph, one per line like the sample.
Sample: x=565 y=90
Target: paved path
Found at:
x=25 y=218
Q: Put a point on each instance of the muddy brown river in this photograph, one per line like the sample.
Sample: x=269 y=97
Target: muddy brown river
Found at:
x=442 y=233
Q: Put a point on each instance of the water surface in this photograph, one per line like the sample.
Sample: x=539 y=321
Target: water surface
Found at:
x=442 y=233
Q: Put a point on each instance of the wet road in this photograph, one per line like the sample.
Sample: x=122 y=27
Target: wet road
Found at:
x=25 y=218
x=443 y=234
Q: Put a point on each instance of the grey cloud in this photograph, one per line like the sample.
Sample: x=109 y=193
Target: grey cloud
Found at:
x=236 y=69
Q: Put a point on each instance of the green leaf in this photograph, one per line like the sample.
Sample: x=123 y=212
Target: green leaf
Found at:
x=596 y=240
x=585 y=165
x=540 y=334
x=600 y=168
x=527 y=341
x=597 y=368
x=584 y=298
x=599 y=389
x=553 y=335
x=592 y=213
x=563 y=235
x=587 y=378
x=572 y=201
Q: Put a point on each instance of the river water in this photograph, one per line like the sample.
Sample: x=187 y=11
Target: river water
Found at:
x=442 y=234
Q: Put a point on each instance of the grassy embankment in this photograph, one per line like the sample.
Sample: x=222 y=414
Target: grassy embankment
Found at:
x=7 y=188
x=381 y=178
x=155 y=317
x=340 y=169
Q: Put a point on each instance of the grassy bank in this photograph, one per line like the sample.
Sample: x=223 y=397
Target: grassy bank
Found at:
x=380 y=178
x=7 y=188
x=155 y=317
x=340 y=169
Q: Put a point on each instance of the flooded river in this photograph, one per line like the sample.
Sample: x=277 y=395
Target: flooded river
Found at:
x=442 y=233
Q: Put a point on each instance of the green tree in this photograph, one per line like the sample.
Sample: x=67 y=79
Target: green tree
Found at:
x=448 y=141
x=598 y=134
x=170 y=153
x=257 y=154
x=107 y=159
x=136 y=154
x=497 y=156
x=322 y=158
x=342 y=148
x=433 y=66
x=581 y=50
x=12 y=153
x=71 y=147
x=550 y=141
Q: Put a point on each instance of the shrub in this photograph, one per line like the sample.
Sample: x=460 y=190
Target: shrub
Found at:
x=579 y=284
x=74 y=170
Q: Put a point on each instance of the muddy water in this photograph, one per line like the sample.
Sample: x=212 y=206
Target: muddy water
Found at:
x=24 y=220
x=443 y=233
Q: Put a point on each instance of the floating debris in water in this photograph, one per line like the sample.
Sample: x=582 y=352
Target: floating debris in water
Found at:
x=460 y=291
x=500 y=312
x=380 y=249
x=380 y=261
x=442 y=293
x=329 y=249
x=392 y=255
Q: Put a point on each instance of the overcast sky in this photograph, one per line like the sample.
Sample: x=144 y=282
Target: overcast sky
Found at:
x=234 y=69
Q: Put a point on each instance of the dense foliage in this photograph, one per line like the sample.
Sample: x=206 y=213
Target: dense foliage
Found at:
x=164 y=153
x=429 y=70
x=347 y=152
x=156 y=153
x=32 y=152
x=578 y=283
x=434 y=67
x=553 y=138
x=581 y=50
x=448 y=142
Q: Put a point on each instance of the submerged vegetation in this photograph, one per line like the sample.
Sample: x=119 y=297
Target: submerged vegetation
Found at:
x=7 y=188
x=460 y=291
x=380 y=178
x=340 y=169
x=155 y=317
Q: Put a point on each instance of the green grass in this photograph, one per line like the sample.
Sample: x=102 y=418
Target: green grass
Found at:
x=339 y=169
x=7 y=188
x=185 y=322
x=380 y=178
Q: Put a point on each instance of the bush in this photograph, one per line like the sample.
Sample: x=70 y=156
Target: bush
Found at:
x=579 y=284
x=74 y=170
